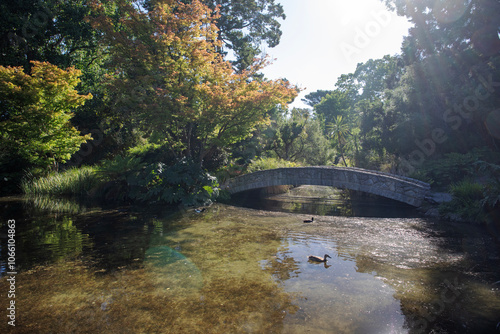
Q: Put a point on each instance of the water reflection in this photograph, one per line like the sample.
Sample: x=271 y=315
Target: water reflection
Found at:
x=334 y=296
x=237 y=270
x=325 y=201
x=44 y=239
x=56 y=205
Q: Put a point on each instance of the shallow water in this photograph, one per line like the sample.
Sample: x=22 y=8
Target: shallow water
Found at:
x=238 y=270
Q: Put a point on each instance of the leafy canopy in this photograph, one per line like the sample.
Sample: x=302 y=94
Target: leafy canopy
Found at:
x=35 y=113
x=172 y=83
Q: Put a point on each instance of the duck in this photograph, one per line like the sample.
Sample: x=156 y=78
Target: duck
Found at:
x=309 y=220
x=317 y=258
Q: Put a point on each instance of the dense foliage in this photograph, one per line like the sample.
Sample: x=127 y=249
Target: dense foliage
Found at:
x=184 y=182
x=159 y=79
x=431 y=112
x=185 y=94
x=35 y=113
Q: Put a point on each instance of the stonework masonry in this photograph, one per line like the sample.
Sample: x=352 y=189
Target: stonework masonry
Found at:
x=395 y=187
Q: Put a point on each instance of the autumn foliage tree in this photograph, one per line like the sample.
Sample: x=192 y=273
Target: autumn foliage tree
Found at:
x=35 y=113
x=171 y=82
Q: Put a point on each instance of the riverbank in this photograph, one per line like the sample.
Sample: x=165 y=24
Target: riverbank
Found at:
x=131 y=179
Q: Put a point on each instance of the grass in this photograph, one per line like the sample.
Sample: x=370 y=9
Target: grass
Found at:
x=75 y=181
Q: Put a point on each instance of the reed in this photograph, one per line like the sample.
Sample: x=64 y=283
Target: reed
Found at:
x=74 y=181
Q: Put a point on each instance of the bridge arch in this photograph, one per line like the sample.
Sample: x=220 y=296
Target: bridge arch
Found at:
x=395 y=187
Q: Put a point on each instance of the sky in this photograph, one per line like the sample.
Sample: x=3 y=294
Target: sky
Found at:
x=323 y=39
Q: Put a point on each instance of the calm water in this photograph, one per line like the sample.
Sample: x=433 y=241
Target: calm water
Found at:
x=232 y=269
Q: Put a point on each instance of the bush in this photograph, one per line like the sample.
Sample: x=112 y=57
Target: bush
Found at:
x=74 y=181
x=269 y=163
x=466 y=202
x=11 y=175
x=121 y=167
x=492 y=190
x=150 y=153
x=229 y=171
x=450 y=169
x=376 y=160
x=185 y=183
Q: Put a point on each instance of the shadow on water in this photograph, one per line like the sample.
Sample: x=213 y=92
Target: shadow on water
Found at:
x=238 y=270
x=325 y=201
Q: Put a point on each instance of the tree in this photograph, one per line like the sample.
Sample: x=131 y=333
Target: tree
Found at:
x=243 y=26
x=335 y=104
x=35 y=113
x=290 y=139
x=58 y=32
x=315 y=98
x=464 y=27
x=374 y=76
x=54 y=31
x=299 y=138
x=185 y=95
x=339 y=129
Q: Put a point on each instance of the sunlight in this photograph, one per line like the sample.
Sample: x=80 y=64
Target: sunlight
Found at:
x=323 y=39
x=448 y=11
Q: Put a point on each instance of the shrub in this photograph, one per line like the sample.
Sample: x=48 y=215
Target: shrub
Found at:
x=229 y=171
x=121 y=167
x=466 y=202
x=492 y=190
x=184 y=182
x=449 y=169
x=269 y=163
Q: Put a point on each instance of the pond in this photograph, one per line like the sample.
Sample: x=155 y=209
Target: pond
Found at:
x=234 y=269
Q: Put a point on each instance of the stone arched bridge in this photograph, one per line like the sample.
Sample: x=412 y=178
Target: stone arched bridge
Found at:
x=395 y=187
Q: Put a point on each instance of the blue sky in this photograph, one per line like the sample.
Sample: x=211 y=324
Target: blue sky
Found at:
x=323 y=39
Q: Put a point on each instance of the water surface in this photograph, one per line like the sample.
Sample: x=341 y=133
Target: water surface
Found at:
x=230 y=269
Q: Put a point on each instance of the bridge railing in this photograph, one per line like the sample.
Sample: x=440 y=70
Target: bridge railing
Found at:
x=375 y=172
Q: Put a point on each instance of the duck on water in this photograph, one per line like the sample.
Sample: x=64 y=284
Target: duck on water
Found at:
x=315 y=258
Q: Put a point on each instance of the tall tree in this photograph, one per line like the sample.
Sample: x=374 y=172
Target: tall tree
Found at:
x=244 y=25
x=457 y=26
x=299 y=138
x=337 y=103
x=54 y=31
x=315 y=98
x=453 y=58
x=185 y=94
